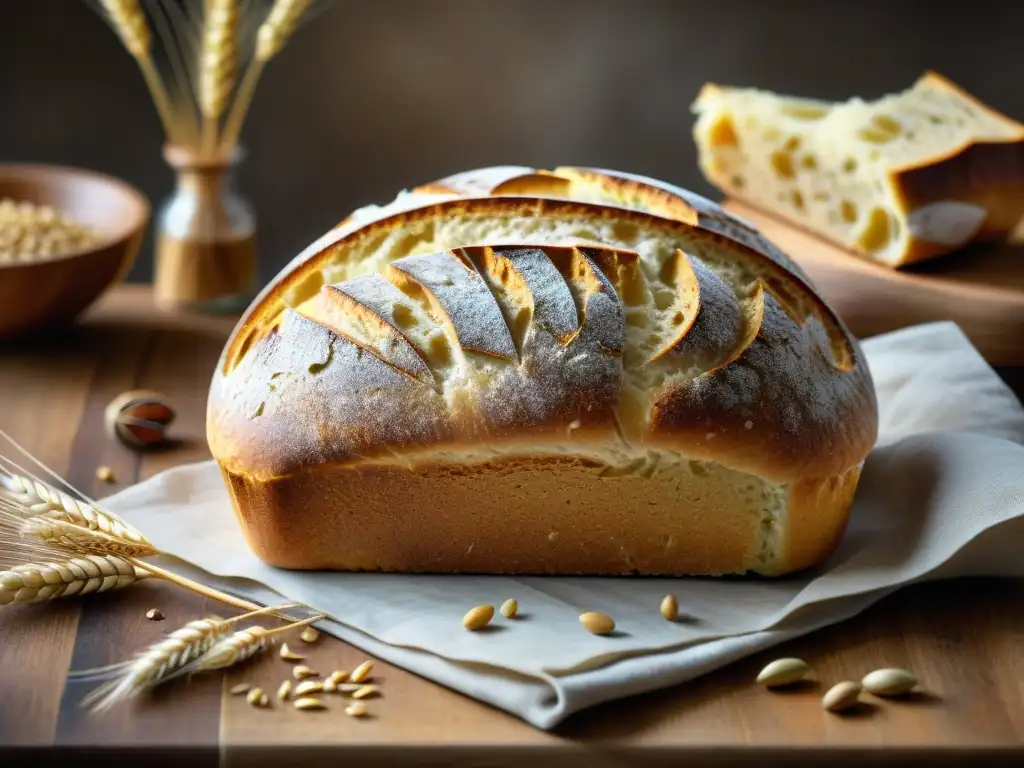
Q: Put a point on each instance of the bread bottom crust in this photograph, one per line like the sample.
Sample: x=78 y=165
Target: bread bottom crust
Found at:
x=542 y=515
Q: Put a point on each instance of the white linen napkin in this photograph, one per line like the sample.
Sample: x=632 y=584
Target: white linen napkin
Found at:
x=941 y=496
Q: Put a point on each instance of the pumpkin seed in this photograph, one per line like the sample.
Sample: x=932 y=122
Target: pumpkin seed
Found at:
x=287 y=654
x=301 y=672
x=361 y=672
x=478 y=618
x=670 y=608
x=841 y=696
x=356 y=709
x=889 y=682
x=597 y=623
x=308 y=686
x=783 y=672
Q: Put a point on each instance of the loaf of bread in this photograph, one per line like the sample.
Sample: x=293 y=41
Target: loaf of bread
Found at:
x=904 y=178
x=542 y=372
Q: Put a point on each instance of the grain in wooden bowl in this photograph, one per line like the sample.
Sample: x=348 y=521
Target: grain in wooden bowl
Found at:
x=68 y=235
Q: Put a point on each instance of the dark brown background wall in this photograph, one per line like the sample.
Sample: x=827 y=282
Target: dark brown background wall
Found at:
x=375 y=95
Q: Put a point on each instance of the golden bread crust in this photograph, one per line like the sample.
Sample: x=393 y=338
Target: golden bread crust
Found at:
x=560 y=515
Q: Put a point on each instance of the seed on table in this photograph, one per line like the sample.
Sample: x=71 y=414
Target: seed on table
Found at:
x=597 y=623
x=889 y=682
x=366 y=692
x=307 y=687
x=670 y=608
x=287 y=654
x=310 y=702
x=284 y=690
x=301 y=672
x=105 y=474
x=783 y=672
x=330 y=686
x=841 y=696
x=361 y=672
x=309 y=635
x=339 y=675
x=356 y=709
x=509 y=608
x=155 y=614
x=349 y=687
x=256 y=698
x=478 y=618
x=239 y=689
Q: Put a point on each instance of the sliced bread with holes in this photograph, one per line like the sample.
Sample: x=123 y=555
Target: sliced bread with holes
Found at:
x=499 y=376
x=904 y=178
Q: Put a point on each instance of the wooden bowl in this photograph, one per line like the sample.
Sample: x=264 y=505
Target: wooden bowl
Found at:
x=51 y=292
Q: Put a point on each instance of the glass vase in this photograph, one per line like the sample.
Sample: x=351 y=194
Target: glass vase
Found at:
x=205 y=254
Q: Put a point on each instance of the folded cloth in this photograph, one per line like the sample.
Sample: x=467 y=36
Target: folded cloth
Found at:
x=941 y=496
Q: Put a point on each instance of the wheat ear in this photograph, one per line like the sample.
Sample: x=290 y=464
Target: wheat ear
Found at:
x=74 y=538
x=158 y=662
x=36 y=582
x=30 y=498
x=219 y=57
x=243 y=645
x=39 y=522
x=271 y=37
x=161 y=662
x=129 y=20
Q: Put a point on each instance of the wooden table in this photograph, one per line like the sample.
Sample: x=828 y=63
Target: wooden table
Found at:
x=965 y=639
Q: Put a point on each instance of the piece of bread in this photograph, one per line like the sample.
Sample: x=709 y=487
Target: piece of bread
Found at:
x=493 y=375
x=904 y=178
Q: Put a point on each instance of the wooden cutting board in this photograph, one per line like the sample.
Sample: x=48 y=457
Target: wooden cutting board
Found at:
x=980 y=288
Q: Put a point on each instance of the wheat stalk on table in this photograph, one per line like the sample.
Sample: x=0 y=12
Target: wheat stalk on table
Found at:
x=54 y=544
x=178 y=654
x=29 y=498
x=45 y=532
x=37 y=582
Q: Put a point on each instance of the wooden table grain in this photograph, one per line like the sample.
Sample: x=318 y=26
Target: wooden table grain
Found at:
x=965 y=639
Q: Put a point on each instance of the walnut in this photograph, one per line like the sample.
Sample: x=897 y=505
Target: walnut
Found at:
x=139 y=418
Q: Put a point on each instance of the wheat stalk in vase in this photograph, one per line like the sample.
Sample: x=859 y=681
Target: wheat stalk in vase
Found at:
x=127 y=17
x=219 y=56
x=271 y=37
